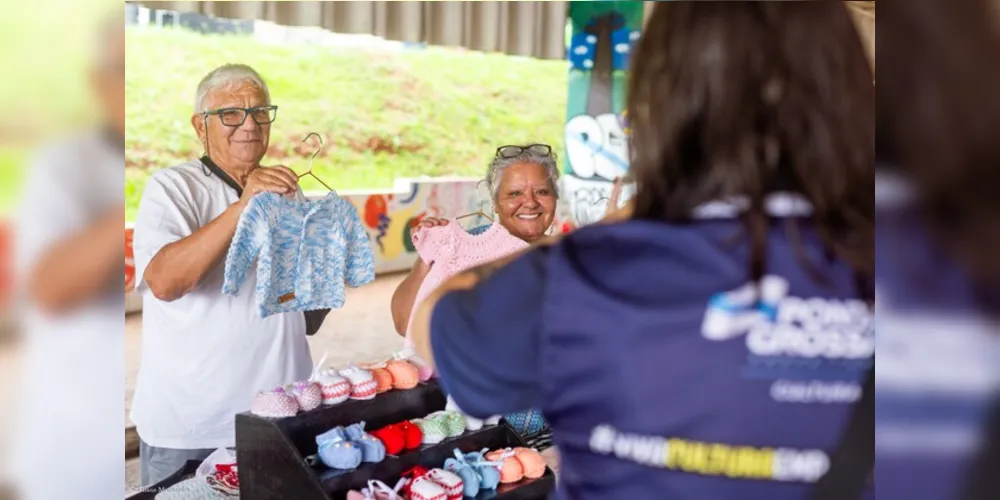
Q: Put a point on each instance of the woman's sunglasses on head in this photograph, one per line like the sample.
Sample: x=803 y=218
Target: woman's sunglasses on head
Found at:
x=513 y=151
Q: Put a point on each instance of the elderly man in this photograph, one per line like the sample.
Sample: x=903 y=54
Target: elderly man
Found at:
x=205 y=354
x=70 y=259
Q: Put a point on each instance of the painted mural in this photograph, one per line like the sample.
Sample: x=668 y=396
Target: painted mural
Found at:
x=596 y=143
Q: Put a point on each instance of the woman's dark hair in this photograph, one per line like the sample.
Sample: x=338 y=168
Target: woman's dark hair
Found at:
x=742 y=99
x=939 y=122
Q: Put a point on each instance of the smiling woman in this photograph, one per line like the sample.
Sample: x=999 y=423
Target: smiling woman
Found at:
x=522 y=182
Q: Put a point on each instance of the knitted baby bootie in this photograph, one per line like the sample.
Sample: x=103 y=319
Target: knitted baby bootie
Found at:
x=377 y=490
x=421 y=487
x=404 y=374
x=511 y=470
x=477 y=474
x=424 y=371
x=383 y=379
x=471 y=423
x=532 y=462
x=363 y=384
x=413 y=436
x=336 y=452
x=489 y=472
x=392 y=438
x=433 y=430
x=336 y=389
x=452 y=484
x=372 y=450
x=274 y=404
x=453 y=422
x=309 y=395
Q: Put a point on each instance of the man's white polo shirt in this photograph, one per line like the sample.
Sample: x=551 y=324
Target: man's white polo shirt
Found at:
x=205 y=355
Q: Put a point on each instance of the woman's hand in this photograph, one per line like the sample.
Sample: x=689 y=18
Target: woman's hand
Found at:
x=614 y=213
x=420 y=266
x=433 y=222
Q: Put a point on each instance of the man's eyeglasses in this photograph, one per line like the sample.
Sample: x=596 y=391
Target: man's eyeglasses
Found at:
x=513 y=151
x=234 y=117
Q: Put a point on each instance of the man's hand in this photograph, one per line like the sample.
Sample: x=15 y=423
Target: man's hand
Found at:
x=277 y=179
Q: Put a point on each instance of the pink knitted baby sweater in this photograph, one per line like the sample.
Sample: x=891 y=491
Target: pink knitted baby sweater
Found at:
x=452 y=250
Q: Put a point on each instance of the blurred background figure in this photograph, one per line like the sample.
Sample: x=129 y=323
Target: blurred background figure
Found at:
x=938 y=274
x=69 y=261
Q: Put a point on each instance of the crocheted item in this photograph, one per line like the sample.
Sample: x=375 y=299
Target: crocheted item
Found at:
x=383 y=379
x=336 y=389
x=413 y=436
x=433 y=430
x=404 y=374
x=452 y=250
x=363 y=384
x=192 y=489
x=451 y=483
x=225 y=479
x=219 y=471
x=526 y=423
x=422 y=487
x=511 y=471
x=372 y=450
x=336 y=452
x=305 y=253
x=476 y=473
x=274 y=404
x=470 y=478
x=424 y=370
x=489 y=472
x=453 y=422
x=392 y=438
x=471 y=423
x=309 y=395
x=377 y=490
x=532 y=462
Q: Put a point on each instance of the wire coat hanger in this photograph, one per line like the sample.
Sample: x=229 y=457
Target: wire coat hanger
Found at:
x=477 y=212
x=311 y=159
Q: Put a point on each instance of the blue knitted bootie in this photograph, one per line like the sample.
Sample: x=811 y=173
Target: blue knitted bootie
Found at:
x=336 y=452
x=372 y=449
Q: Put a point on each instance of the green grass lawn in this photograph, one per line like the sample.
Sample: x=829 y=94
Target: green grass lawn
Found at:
x=384 y=115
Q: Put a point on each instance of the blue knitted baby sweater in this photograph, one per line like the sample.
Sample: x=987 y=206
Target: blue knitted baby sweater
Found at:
x=305 y=252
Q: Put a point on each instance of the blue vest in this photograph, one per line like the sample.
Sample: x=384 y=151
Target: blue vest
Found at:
x=939 y=359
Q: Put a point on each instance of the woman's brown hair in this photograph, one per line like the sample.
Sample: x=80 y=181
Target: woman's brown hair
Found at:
x=939 y=124
x=742 y=99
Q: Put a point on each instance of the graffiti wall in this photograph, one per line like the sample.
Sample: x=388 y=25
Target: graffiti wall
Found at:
x=596 y=146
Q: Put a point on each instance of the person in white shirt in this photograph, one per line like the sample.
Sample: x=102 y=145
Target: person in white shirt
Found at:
x=205 y=354
x=70 y=261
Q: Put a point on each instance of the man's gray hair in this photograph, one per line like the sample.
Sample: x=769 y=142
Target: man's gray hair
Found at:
x=228 y=76
x=499 y=164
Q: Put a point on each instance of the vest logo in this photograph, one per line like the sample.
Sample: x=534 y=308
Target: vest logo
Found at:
x=793 y=337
